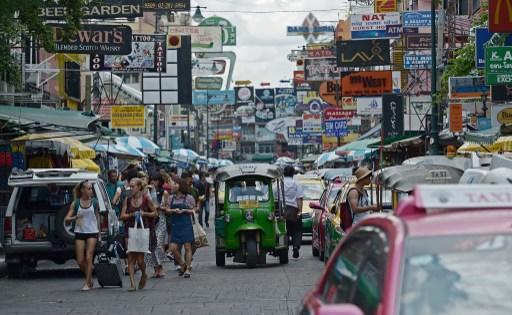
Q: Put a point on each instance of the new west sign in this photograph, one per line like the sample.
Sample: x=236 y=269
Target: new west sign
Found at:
x=104 y=9
x=498 y=65
x=94 y=39
x=367 y=83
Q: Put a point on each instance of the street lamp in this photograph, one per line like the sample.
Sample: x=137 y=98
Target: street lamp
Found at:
x=198 y=16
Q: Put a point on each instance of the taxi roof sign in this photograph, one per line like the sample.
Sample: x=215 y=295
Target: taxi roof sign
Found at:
x=436 y=198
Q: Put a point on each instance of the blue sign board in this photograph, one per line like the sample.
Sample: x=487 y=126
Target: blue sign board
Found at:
x=413 y=20
x=336 y=128
x=202 y=97
x=482 y=36
x=417 y=60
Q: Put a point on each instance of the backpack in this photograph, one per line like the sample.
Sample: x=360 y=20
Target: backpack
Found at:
x=346 y=214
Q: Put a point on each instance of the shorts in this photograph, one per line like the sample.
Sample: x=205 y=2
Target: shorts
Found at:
x=85 y=236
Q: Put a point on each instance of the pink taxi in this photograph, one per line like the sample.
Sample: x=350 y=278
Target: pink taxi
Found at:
x=447 y=250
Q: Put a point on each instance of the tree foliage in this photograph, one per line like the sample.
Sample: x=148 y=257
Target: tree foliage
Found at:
x=19 y=20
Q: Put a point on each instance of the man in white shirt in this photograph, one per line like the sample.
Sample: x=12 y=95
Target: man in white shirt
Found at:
x=293 y=196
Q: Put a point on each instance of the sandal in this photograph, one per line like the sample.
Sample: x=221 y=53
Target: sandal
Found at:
x=142 y=282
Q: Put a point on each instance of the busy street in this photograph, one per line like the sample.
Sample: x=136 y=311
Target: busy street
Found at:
x=222 y=157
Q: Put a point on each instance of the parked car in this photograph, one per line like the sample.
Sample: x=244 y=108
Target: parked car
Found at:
x=34 y=227
x=320 y=212
x=445 y=239
x=313 y=187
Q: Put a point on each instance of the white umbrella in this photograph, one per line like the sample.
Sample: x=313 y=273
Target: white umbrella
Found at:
x=143 y=144
x=223 y=163
x=185 y=155
x=327 y=157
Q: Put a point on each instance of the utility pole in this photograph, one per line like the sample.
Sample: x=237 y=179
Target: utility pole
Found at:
x=155 y=108
x=434 y=132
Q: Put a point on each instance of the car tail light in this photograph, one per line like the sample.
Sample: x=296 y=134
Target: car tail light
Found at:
x=7 y=227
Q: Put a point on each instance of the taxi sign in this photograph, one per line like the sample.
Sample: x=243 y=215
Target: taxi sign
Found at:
x=437 y=198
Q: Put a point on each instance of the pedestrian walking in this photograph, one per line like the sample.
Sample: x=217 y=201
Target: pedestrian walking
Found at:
x=84 y=212
x=138 y=207
x=115 y=189
x=294 y=196
x=358 y=200
x=182 y=207
x=203 y=189
x=158 y=255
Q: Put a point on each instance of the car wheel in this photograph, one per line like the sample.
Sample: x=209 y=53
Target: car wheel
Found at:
x=220 y=258
x=14 y=271
x=315 y=251
x=283 y=257
x=64 y=230
x=252 y=253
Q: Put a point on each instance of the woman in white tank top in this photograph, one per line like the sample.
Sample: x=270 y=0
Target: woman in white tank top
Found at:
x=84 y=212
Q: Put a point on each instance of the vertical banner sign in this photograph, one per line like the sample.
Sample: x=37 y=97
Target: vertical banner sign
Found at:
x=500 y=16
x=392 y=115
x=265 y=108
x=385 y=6
x=128 y=116
x=456 y=118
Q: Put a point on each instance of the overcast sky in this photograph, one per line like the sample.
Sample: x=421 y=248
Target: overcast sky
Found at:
x=262 y=44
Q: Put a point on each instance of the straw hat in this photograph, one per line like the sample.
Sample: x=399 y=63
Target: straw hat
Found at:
x=361 y=173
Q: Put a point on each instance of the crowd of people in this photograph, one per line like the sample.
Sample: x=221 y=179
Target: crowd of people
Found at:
x=163 y=201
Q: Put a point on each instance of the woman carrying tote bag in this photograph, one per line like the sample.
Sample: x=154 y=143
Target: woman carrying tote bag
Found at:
x=137 y=212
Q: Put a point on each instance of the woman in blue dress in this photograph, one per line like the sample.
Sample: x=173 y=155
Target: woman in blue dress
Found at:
x=182 y=208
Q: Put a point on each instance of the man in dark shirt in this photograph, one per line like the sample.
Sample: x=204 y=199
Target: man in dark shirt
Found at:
x=203 y=189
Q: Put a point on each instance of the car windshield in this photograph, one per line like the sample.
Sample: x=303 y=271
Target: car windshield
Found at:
x=312 y=191
x=248 y=189
x=467 y=275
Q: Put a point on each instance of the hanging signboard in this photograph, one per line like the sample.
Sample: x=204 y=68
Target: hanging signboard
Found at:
x=330 y=92
x=320 y=53
x=498 y=65
x=320 y=69
x=312 y=124
x=418 y=41
x=467 y=87
x=105 y=9
x=415 y=22
x=392 y=115
x=94 y=39
x=385 y=6
x=174 y=86
x=338 y=114
x=208 y=83
x=264 y=102
x=128 y=116
x=500 y=13
x=369 y=105
x=368 y=26
x=363 y=53
x=298 y=77
x=244 y=95
x=204 y=38
x=166 y=5
x=228 y=29
x=336 y=128
x=310 y=29
x=148 y=54
x=501 y=93
x=206 y=67
x=294 y=136
x=456 y=124
x=421 y=59
x=204 y=98
x=367 y=83
x=349 y=103
x=285 y=100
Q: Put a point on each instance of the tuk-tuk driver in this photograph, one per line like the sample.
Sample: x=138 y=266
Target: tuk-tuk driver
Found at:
x=294 y=196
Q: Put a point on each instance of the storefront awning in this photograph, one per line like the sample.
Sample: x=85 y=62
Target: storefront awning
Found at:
x=59 y=118
x=78 y=149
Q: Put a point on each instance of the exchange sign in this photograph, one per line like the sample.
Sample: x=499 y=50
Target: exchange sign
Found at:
x=498 y=65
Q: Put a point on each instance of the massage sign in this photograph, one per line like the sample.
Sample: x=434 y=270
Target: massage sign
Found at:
x=94 y=39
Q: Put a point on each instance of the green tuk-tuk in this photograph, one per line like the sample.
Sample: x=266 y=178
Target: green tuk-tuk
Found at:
x=249 y=214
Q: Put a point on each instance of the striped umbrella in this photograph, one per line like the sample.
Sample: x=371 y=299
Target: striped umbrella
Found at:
x=118 y=149
x=143 y=144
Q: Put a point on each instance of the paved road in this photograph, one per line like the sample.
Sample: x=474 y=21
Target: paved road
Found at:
x=271 y=289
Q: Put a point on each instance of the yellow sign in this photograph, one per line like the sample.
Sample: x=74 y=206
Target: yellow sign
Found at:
x=128 y=116
x=383 y=6
x=505 y=116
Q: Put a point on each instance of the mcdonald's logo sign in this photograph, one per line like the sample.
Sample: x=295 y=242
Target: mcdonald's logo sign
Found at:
x=384 y=6
x=500 y=16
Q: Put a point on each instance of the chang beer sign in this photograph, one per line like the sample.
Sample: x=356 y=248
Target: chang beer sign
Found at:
x=228 y=29
x=498 y=65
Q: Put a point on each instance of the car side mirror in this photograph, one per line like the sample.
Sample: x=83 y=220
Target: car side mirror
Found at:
x=315 y=205
x=340 y=309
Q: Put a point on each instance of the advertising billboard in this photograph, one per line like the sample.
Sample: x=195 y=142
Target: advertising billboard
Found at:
x=363 y=53
x=382 y=25
x=320 y=69
x=367 y=83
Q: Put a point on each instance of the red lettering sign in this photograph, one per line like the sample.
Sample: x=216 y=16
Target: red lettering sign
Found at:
x=337 y=114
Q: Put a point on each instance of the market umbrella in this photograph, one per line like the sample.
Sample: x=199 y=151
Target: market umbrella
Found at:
x=327 y=157
x=143 y=144
x=184 y=155
x=223 y=163
x=284 y=160
x=78 y=149
x=118 y=149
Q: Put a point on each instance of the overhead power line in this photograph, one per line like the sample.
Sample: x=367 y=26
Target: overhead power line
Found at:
x=277 y=11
